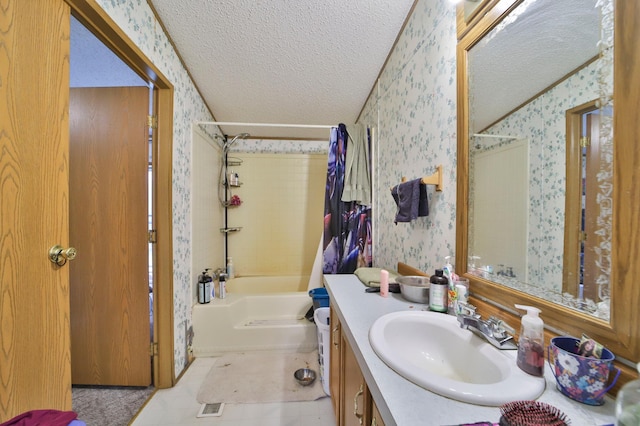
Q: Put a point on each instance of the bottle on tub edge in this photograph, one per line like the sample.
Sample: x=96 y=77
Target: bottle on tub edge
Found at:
x=204 y=287
x=222 y=286
x=230 y=269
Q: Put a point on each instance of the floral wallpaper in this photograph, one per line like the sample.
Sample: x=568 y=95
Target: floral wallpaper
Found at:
x=413 y=109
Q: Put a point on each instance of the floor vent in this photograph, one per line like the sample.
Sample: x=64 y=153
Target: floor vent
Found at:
x=211 y=410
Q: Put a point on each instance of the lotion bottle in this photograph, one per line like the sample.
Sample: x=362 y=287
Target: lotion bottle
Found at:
x=384 y=283
x=531 y=342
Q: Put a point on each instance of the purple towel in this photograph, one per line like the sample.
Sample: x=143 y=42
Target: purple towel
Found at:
x=42 y=417
x=411 y=199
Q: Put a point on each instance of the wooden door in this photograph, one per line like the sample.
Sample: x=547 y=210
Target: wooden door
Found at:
x=590 y=210
x=110 y=333
x=35 y=370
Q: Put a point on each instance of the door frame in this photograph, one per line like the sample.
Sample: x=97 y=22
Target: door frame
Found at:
x=92 y=16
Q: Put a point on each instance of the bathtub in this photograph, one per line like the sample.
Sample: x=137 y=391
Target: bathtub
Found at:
x=259 y=313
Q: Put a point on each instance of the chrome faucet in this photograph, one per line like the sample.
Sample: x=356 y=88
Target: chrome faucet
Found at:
x=493 y=330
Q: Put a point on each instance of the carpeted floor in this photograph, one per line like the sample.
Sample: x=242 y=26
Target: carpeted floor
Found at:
x=108 y=405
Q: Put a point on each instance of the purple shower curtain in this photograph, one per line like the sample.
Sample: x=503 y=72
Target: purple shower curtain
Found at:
x=347 y=237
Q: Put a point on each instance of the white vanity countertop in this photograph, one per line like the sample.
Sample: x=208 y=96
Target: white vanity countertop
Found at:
x=405 y=404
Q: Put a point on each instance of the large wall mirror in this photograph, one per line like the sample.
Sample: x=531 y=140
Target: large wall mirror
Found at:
x=539 y=162
x=525 y=77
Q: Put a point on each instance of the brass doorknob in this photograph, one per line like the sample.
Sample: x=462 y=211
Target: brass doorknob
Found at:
x=59 y=255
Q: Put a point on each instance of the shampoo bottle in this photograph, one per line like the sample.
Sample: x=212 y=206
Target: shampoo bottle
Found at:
x=438 y=292
x=204 y=287
x=531 y=342
x=231 y=273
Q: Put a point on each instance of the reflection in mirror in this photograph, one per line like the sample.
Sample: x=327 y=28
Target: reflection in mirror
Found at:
x=470 y=6
x=540 y=83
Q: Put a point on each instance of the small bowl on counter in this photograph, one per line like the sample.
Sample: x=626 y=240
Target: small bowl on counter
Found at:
x=414 y=288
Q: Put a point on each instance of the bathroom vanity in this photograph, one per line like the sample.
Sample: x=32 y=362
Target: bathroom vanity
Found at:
x=365 y=391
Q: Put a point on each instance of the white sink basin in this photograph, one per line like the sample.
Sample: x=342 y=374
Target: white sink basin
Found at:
x=431 y=350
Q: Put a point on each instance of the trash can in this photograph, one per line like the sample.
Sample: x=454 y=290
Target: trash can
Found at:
x=320 y=297
x=321 y=317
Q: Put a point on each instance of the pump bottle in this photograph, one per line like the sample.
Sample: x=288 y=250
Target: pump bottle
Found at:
x=531 y=342
x=231 y=273
x=204 y=287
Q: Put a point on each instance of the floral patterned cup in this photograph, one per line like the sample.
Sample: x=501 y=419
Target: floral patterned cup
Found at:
x=583 y=379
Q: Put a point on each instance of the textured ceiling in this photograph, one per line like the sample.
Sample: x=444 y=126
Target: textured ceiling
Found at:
x=307 y=62
x=283 y=61
x=543 y=41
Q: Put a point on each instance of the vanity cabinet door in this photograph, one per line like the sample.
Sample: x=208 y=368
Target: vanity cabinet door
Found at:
x=376 y=418
x=334 y=362
x=356 y=404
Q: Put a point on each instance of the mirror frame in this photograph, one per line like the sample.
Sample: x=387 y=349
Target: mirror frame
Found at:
x=621 y=334
x=463 y=24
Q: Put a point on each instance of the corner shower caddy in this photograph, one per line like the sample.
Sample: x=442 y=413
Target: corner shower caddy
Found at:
x=233 y=162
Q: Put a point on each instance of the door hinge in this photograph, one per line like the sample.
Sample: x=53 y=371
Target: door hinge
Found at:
x=153 y=236
x=152 y=121
x=583 y=236
x=153 y=349
x=585 y=141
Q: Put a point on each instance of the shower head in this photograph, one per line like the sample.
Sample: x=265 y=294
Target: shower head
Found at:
x=227 y=145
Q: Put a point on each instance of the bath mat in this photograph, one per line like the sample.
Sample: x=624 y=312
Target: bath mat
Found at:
x=260 y=377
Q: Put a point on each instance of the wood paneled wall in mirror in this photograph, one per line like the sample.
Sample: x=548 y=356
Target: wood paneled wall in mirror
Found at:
x=548 y=191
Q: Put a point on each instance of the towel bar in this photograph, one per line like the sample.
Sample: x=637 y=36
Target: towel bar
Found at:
x=434 y=179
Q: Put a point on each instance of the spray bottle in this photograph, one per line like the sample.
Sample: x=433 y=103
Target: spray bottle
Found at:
x=222 y=286
x=531 y=342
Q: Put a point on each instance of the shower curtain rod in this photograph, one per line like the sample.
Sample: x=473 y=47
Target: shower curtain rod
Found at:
x=483 y=135
x=229 y=123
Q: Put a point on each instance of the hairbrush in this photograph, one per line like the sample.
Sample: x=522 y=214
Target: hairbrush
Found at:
x=531 y=413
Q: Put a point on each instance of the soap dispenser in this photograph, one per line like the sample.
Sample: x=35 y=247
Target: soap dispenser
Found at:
x=531 y=342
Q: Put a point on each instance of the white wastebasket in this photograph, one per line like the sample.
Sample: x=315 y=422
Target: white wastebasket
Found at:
x=321 y=318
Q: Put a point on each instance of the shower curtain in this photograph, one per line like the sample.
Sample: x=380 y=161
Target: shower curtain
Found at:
x=347 y=236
